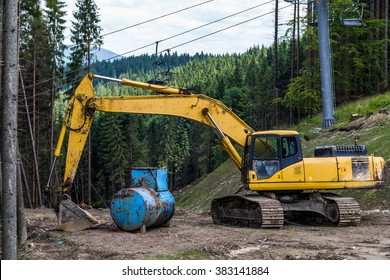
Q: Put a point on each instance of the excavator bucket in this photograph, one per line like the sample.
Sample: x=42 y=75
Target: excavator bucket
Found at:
x=73 y=218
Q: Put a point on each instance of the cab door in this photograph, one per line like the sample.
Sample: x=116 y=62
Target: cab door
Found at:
x=291 y=151
x=267 y=155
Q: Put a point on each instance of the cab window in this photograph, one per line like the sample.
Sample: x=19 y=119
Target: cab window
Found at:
x=289 y=146
x=265 y=148
x=265 y=157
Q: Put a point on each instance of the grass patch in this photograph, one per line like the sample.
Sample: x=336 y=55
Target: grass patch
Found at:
x=343 y=113
x=185 y=255
x=226 y=179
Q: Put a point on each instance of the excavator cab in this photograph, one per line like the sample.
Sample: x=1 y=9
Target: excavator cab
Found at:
x=269 y=152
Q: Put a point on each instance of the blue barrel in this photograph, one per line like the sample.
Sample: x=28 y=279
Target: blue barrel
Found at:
x=151 y=205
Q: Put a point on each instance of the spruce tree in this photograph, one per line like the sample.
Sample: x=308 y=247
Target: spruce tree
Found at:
x=86 y=36
x=55 y=23
x=115 y=152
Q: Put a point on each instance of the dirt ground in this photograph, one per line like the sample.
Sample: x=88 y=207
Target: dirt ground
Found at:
x=194 y=236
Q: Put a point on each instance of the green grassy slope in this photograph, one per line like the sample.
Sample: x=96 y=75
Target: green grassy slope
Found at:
x=197 y=197
x=373 y=131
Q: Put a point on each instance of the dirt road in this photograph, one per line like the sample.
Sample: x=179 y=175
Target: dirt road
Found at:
x=194 y=236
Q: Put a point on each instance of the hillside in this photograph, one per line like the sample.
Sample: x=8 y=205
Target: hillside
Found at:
x=372 y=130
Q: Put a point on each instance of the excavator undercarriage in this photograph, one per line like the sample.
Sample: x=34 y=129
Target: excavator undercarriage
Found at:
x=270 y=210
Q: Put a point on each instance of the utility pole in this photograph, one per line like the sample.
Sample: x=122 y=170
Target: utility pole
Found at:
x=329 y=119
x=9 y=130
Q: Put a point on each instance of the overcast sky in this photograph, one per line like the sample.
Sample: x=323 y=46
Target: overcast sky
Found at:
x=119 y=14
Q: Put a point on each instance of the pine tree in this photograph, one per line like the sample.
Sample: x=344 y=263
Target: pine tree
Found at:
x=55 y=23
x=115 y=152
x=86 y=35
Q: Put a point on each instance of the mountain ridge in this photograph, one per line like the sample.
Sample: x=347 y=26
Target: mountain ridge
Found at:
x=101 y=54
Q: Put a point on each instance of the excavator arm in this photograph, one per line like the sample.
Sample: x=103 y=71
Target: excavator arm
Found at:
x=170 y=101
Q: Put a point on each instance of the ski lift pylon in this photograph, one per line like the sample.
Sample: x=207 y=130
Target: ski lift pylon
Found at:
x=353 y=15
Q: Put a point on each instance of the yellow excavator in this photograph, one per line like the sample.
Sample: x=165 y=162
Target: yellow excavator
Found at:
x=280 y=183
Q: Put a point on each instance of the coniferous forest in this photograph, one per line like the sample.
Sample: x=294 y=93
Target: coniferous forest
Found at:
x=265 y=92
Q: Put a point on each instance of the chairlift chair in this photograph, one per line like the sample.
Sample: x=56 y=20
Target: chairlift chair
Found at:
x=353 y=16
x=162 y=71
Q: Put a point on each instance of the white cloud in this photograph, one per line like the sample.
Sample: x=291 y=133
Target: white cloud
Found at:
x=116 y=15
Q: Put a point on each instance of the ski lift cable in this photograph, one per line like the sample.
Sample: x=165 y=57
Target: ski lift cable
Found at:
x=212 y=33
x=215 y=21
x=165 y=39
x=156 y=18
x=226 y=28
x=153 y=19
x=204 y=25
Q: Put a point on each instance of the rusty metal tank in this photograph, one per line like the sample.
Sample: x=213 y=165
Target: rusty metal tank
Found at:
x=147 y=203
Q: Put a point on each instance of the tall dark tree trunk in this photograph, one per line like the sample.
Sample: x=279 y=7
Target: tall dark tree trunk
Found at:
x=298 y=41
x=1 y=79
x=89 y=139
x=25 y=181
x=311 y=54
x=275 y=75
x=52 y=100
x=9 y=131
x=293 y=66
x=386 y=46
x=35 y=186
x=36 y=191
x=22 y=228
x=49 y=192
x=378 y=9
x=55 y=24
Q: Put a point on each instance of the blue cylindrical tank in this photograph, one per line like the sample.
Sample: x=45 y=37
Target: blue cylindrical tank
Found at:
x=151 y=205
